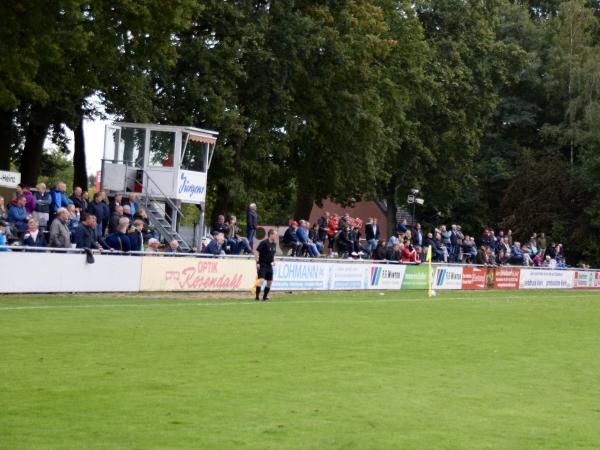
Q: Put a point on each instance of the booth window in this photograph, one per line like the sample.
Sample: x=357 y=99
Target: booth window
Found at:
x=162 y=146
x=131 y=148
x=194 y=156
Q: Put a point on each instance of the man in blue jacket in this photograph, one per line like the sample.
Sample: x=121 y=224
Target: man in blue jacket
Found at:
x=215 y=246
x=302 y=233
x=119 y=239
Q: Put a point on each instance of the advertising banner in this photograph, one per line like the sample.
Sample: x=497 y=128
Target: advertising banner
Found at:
x=586 y=279
x=344 y=276
x=386 y=276
x=191 y=186
x=415 y=277
x=289 y=275
x=546 y=279
x=506 y=278
x=9 y=179
x=448 y=277
x=164 y=273
x=474 y=277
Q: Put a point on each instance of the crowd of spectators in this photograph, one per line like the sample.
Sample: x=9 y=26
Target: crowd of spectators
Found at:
x=51 y=218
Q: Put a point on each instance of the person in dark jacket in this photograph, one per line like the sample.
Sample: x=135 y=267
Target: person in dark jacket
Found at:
x=290 y=239
x=215 y=246
x=372 y=234
x=85 y=235
x=33 y=237
x=105 y=212
x=380 y=252
x=96 y=209
x=41 y=212
x=119 y=239
x=344 y=244
x=251 y=223
x=116 y=216
x=136 y=237
x=77 y=199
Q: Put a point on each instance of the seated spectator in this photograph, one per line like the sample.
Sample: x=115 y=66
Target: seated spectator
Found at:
x=394 y=253
x=220 y=226
x=314 y=235
x=408 y=254
x=17 y=214
x=436 y=252
x=549 y=262
x=394 y=239
x=136 y=237
x=538 y=259
x=516 y=254
x=380 y=251
x=30 y=199
x=307 y=244
x=74 y=218
x=60 y=236
x=152 y=245
x=526 y=251
x=119 y=240
x=174 y=247
x=503 y=258
x=469 y=250
x=3 y=212
x=481 y=257
x=290 y=239
x=116 y=216
x=33 y=237
x=41 y=212
x=239 y=244
x=85 y=235
x=216 y=245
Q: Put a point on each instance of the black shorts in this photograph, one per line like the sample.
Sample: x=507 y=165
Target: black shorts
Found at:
x=265 y=272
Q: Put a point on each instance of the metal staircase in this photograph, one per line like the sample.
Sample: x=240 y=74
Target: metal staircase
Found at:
x=161 y=221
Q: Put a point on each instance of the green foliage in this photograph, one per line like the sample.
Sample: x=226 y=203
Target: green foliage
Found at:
x=55 y=166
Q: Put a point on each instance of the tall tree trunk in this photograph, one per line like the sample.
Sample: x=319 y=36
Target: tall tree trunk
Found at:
x=222 y=205
x=304 y=203
x=31 y=159
x=6 y=128
x=79 y=163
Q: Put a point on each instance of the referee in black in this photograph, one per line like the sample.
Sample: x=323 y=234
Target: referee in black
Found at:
x=265 y=260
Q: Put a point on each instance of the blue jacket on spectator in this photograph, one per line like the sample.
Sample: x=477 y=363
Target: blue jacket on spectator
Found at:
x=290 y=236
x=3 y=242
x=136 y=240
x=302 y=235
x=119 y=241
x=59 y=200
x=18 y=216
x=213 y=248
x=97 y=210
x=85 y=237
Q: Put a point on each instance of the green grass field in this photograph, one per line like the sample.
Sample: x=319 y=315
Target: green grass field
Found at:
x=492 y=370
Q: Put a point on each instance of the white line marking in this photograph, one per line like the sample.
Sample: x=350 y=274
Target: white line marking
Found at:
x=167 y=304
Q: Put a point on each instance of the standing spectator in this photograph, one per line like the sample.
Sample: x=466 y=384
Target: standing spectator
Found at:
x=127 y=212
x=132 y=203
x=174 y=247
x=148 y=231
x=394 y=253
x=60 y=236
x=136 y=237
x=30 y=199
x=116 y=201
x=541 y=243
x=95 y=208
x=401 y=226
x=78 y=200
x=3 y=212
x=41 y=212
x=119 y=239
x=332 y=225
x=323 y=224
x=251 y=223
x=380 y=252
x=34 y=237
x=116 y=216
x=372 y=234
x=417 y=237
x=343 y=242
x=105 y=212
x=59 y=198
x=85 y=235
x=17 y=214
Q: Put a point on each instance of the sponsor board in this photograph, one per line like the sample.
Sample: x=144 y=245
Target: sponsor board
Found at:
x=448 y=277
x=586 y=279
x=196 y=274
x=290 y=275
x=546 y=279
x=416 y=277
x=345 y=276
x=474 y=277
x=191 y=186
x=506 y=278
x=9 y=179
x=386 y=276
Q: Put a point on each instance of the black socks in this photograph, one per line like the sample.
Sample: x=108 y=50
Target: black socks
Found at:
x=258 y=292
x=265 y=295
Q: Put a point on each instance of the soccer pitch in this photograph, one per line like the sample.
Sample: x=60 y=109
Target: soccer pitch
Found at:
x=488 y=370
